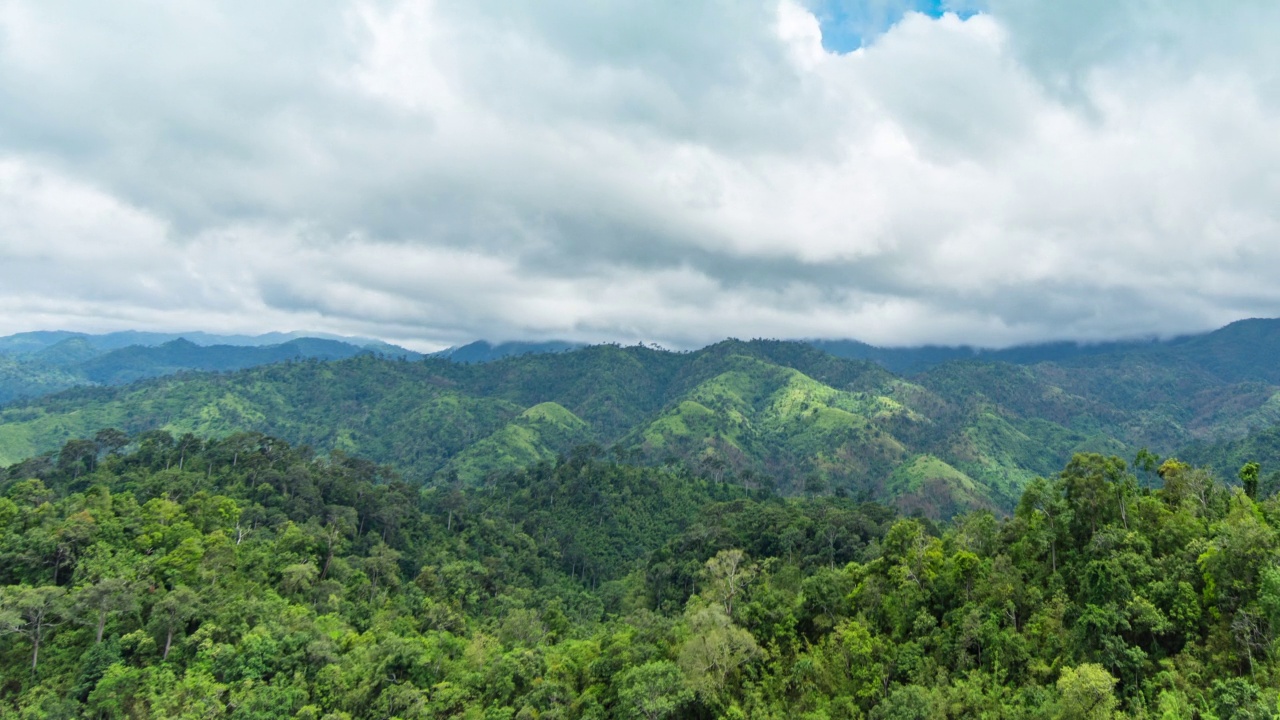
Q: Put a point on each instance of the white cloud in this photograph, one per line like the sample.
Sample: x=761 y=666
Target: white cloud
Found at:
x=430 y=172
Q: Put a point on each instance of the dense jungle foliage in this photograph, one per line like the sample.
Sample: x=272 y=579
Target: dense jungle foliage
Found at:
x=244 y=578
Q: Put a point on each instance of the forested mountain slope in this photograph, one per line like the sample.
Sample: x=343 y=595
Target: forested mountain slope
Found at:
x=245 y=578
x=762 y=413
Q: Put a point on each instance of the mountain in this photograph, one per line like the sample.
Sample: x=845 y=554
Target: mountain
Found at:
x=965 y=433
x=1245 y=349
x=26 y=379
x=32 y=342
x=29 y=343
x=1235 y=353
x=483 y=351
x=65 y=360
x=65 y=353
x=138 y=361
x=762 y=412
x=911 y=360
x=755 y=413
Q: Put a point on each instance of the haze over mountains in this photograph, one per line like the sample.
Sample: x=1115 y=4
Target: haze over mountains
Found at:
x=952 y=428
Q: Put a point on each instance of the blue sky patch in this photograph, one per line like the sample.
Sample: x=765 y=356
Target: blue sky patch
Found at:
x=849 y=24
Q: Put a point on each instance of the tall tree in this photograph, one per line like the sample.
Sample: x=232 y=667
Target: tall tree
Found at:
x=1088 y=693
x=1249 y=477
x=172 y=612
x=99 y=601
x=33 y=612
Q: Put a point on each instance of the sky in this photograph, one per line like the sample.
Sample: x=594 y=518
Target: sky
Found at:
x=430 y=172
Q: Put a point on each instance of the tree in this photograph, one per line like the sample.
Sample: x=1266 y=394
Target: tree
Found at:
x=1249 y=477
x=728 y=573
x=714 y=651
x=172 y=612
x=849 y=663
x=1088 y=693
x=1233 y=563
x=906 y=702
x=339 y=525
x=652 y=691
x=1146 y=461
x=73 y=535
x=33 y=612
x=187 y=444
x=109 y=441
x=382 y=566
x=523 y=627
x=298 y=577
x=1093 y=484
x=1047 y=515
x=1184 y=483
x=107 y=597
x=77 y=457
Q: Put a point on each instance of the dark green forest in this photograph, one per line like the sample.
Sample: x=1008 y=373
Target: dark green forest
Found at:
x=242 y=577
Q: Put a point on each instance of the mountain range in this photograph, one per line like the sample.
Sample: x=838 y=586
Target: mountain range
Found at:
x=38 y=363
x=958 y=433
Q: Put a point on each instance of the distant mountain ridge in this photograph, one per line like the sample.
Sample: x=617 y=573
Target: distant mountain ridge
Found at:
x=911 y=360
x=1240 y=350
x=138 y=362
x=42 y=362
x=1206 y=349
x=484 y=351
x=26 y=343
x=37 y=364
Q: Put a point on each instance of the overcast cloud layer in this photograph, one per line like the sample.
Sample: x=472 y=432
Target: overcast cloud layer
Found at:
x=434 y=172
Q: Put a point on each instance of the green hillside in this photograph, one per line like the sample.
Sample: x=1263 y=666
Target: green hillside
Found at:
x=762 y=417
x=23 y=379
x=540 y=434
x=776 y=413
x=935 y=488
x=759 y=414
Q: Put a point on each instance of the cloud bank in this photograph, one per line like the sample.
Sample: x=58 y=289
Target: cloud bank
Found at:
x=433 y=172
